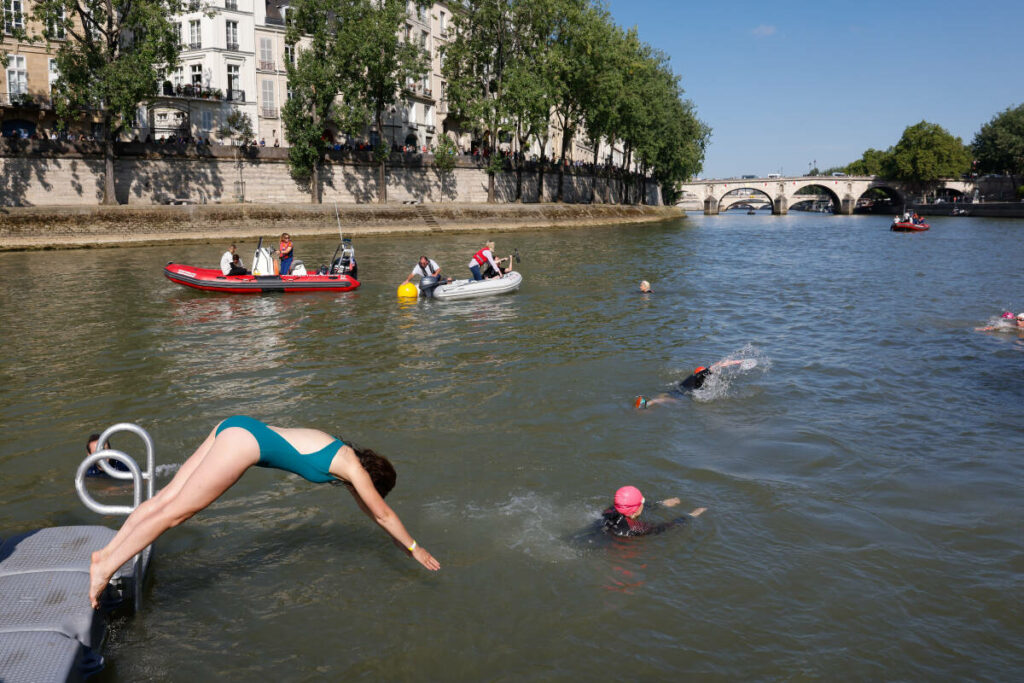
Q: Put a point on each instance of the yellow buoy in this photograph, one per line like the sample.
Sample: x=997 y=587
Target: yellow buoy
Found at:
x=408 y=290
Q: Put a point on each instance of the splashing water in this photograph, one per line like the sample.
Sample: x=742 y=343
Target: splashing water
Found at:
x=717 y=385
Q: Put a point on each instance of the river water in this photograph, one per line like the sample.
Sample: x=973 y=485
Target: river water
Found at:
x=863 y=481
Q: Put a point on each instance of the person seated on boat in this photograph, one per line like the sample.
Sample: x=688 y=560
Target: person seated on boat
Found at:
x=232 y=447
x=95 y=471
x=425 y=267
x=481 y=258
x=623 y=517
x=237 y=268
x=286 y=252
x=692 y=383
x=489 y=272
x=1007 y=322
x=227 y=260
x=645 y=287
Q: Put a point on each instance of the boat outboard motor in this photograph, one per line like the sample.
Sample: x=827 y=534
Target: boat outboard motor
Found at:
x=298 y=268
x=262 y=262
x=428 y=284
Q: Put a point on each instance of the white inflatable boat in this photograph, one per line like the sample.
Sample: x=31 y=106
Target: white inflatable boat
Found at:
x=469 y=289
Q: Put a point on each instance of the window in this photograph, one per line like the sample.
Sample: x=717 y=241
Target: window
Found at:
x=178 y=77
x=428 y=115
x=56 y=27
x=232 y=31
x=14 y=17
x=289 y=54
x=268 y=108
x=17 y=76
x=54 y=75
x=207 y=119
x=195 y=40
x=197 y=74
x=423 y=39
x=231 y=4
x=412 y=113
x=443 y=23
x=234 y=80
x=266 y=54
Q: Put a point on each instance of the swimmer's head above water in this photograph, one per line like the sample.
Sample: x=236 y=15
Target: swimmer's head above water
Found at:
x=629 y=501
x=645 y=286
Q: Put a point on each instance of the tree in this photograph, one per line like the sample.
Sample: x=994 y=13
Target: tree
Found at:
x=873 y=162
x=314 y=80
x=113 y=55
x=384 y=66
x=475 y=66
x=927 y=152
x=999 y=145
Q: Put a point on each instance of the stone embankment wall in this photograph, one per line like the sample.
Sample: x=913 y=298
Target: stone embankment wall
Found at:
x=49 y=173
x=40 y=227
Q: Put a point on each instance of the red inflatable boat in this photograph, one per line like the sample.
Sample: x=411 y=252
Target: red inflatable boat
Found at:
x=900 y=226
x=212 y=280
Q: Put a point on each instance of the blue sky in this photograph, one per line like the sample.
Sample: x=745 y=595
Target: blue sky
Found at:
x=783 y=84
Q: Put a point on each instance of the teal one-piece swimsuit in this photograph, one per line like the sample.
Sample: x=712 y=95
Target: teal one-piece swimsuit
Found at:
x=276 y=452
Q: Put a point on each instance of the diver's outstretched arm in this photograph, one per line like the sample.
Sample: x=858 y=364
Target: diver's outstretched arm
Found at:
x=726 y=363
x=697 y=512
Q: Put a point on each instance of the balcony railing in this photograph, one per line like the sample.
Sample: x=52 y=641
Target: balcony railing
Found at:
x=198 y=45
x=268 y=112
x=232 y=47
x=266 y=66
x=23 y=99
x=236 y=95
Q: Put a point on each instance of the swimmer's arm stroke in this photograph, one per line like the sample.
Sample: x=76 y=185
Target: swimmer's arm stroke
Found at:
x=726 y=363
x=369 y=501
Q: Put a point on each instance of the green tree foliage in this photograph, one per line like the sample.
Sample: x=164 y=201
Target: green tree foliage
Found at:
x=385 y=64
x=475 y=66
x=238 y=126
x=999 y=145
x=445 y=154
x=314 y=79
x=928 y=152
x=873 y=162
x=113 y=55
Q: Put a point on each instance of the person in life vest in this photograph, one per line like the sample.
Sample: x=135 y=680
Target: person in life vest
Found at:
x=426 y=267
x=482 y=258
x=623 y=518
x=286 y=253
x=691 y=383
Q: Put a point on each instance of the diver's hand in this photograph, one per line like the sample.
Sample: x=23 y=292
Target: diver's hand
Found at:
x=426 y=559
x=698 y=512
x=670 y=502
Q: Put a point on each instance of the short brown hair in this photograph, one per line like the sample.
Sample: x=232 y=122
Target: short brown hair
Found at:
x=382 y=472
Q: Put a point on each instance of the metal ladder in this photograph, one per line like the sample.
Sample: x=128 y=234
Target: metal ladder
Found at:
x=136 y=475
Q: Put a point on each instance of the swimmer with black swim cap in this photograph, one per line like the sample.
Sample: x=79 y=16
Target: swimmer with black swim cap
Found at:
x=623 y=517
x=692 y=383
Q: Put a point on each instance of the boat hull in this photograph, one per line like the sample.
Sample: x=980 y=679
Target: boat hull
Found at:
x=211 y=280
x=471 y=289
x=909 y=227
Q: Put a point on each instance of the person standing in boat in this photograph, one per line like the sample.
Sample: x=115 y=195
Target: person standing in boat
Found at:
x=286 y=253
x=482 y=258
x=235 y=445
x=426 y=267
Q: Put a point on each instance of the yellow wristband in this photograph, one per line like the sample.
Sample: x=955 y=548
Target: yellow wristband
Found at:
x=412 y=547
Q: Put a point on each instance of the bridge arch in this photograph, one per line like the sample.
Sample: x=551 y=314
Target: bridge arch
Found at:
x=796 y=198
x=744 y=195
x=880 y=198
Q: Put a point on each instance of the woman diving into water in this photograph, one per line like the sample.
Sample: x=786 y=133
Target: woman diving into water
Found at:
x=235 y=445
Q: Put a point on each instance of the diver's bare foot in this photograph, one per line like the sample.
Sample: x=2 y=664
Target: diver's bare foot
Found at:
x=97 y=581
x=698 y=512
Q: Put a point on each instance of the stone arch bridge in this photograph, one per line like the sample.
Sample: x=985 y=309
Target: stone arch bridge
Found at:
x=781 y=193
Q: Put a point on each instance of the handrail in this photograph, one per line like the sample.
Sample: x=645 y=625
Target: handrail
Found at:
x=148 y=475
x=133 y=473
x=137 y=476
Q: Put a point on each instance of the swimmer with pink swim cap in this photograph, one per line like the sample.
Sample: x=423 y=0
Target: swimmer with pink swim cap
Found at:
x=623 y=518
x=1008 y=322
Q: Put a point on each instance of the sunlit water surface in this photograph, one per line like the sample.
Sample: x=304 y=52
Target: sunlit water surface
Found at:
x=863 y=483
